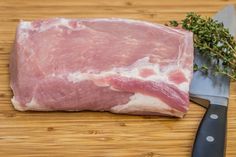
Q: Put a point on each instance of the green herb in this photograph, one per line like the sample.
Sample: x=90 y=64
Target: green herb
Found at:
x=213 y=41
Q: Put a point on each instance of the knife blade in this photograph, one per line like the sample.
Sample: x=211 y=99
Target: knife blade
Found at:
x=212 y=92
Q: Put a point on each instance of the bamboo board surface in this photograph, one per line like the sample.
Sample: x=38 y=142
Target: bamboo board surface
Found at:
x=92 y=134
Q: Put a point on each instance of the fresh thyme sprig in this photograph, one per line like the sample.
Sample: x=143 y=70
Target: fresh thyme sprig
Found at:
x=213 y=41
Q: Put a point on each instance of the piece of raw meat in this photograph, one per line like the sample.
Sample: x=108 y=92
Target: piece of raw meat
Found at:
x=117 y=65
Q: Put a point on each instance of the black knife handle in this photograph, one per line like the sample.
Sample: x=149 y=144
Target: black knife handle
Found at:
x=211 y=135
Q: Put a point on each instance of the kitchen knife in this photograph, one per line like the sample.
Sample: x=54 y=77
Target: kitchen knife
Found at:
x=212 y=92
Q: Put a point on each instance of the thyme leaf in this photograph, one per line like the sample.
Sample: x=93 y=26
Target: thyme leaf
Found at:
x=213 y=41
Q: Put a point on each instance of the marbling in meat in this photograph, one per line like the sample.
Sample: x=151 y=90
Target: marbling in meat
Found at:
x=118 y=65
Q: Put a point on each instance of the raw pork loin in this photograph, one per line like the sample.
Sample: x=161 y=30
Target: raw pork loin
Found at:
x=117 y=65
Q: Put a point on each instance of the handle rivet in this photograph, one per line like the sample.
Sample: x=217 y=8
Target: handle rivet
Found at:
x=214 y=116
x=210 y=138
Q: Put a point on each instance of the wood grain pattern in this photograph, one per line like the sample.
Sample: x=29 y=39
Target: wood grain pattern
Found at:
x=90 y=134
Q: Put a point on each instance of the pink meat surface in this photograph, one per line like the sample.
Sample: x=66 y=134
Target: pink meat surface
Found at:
x=117 y=65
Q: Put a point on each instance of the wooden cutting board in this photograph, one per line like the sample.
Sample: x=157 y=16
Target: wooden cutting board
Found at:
x=87 y=134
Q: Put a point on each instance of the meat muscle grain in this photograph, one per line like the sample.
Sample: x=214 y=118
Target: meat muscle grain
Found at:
x=117 y=65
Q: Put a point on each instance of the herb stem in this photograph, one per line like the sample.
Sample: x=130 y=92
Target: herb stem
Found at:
x=213 y=41
x=221 y=56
